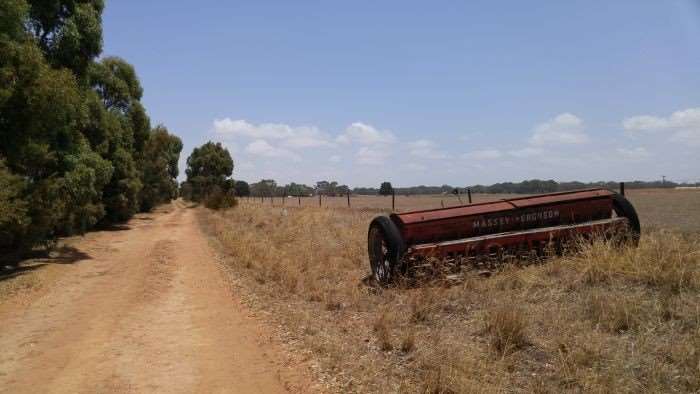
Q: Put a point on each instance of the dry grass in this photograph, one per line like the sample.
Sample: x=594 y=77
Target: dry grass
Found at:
x=402 y=203
x=506 y=326
x=605 y=320
x=657 y=208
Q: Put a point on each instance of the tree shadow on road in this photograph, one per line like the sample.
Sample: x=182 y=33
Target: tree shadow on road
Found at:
x=36 y=259
x=113 y=227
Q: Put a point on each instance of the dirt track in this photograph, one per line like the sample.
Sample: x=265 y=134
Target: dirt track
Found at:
x=146 y=309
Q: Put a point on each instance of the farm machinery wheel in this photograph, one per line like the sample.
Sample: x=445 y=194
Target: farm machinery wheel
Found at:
x=386 y=249
x=624 y=208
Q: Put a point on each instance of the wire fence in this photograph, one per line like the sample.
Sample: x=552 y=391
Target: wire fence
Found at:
x=390 y=203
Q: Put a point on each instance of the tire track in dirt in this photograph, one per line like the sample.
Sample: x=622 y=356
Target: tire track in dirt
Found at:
x=148 y=312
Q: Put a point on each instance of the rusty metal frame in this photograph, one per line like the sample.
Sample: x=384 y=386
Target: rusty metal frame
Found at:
x=531 y=239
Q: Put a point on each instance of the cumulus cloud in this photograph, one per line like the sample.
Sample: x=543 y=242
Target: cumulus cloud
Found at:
x=638 y=153
x=280 y=140
x=426 y=149
x=365 y=134
x=263 y=148
x=371 y=155
x=485 y=154
x=293 y=137
x=565 y=128
x=644 y=123
x=684 y=125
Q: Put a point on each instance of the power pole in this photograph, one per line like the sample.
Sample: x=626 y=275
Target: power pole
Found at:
x=663 y=180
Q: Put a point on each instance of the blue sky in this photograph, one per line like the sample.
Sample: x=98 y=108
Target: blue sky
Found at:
x=424 y=92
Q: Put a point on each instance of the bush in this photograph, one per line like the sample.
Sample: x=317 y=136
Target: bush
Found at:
x=218 y=199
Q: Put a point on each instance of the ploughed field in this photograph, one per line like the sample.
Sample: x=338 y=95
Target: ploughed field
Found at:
x=602 y=320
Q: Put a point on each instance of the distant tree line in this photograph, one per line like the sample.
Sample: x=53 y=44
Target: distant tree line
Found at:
x=541 y=186
x=525 y=187
x=268 y=187
x=76 y=146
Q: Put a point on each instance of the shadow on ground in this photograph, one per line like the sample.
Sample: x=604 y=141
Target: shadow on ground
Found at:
x=37 y=259
x=113 y=227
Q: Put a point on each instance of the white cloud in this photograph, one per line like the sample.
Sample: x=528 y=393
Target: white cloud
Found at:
x=525 y=152
x=308 y=137
x=290 y=136
x=684 y=125
x=563 y=129
x=263 y=148
x=638 y=153
x=335 y=159
x=240 y=127
x=644 y=123
x=426 y=149
x=365 y=134
x=485 y=154
x=371 y=156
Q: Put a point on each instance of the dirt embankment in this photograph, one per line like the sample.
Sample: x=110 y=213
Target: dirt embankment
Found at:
x=143 y=308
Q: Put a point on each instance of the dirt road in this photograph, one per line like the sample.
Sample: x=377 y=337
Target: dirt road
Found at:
x=146 y=309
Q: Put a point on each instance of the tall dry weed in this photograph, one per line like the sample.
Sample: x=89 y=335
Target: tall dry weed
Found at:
x=506 y=326
x=663 y=260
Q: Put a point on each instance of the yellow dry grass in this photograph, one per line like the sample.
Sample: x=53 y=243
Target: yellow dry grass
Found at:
x=657 y=208
x=604 y=320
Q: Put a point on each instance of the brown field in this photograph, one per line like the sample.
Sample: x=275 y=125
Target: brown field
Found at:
x=657 y=208
x=605 y=320
x=403 y=203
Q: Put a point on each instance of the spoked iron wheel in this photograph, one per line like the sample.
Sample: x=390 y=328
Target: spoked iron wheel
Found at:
x=385 y=248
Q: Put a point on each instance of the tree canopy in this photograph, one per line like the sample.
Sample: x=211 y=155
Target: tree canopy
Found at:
x=76 y=144
x=209 y=170
x=241 y=188
x=386 y=189
x=209 y=167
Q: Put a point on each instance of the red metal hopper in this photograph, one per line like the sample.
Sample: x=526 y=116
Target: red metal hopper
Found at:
x=516 y=226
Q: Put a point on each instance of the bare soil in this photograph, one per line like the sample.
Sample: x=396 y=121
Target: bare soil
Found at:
x=144 y=307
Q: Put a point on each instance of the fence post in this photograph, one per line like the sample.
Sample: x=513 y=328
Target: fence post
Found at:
x=348 y=199
x=299 y=197
x=622 y=188
x=469 y=195
x=442 y=203
x=393 y=200
x=319 y=199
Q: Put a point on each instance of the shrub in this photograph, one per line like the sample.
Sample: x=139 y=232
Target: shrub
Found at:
x=217 y=199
